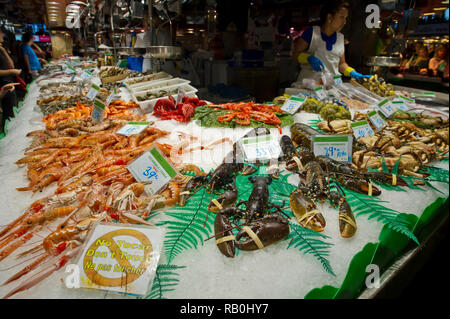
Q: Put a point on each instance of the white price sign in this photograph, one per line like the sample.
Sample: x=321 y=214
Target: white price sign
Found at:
x=262 y=147
x=386 y=108
x=96 y=81
x=424 y=94
x=72 y=78
x=406 y=99
x=98 y=110
x=93 y=92
x=132 y=128
x=319 y=91
x=400 y=105
x=337 y=147
x=292 y=105
x=152 y=169
x=70 y=69
x=361 y=129
x=376 y=119
x=86 y=75
x=111 y=96
x=337 y=79
x=180 y=95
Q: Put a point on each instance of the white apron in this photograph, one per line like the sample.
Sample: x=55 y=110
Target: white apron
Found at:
x=330 y=59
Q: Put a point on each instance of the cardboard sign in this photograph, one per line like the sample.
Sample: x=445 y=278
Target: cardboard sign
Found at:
x=98 y=111
x=263 y=147
x=361 y=129
x=292 y=105
x=132 y=128
x=93 y=92
x=386 y=108
x=376 y=120
x=337 y=147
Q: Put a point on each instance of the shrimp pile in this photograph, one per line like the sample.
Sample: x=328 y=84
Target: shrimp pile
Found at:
x=116 y=109
x=87 y=163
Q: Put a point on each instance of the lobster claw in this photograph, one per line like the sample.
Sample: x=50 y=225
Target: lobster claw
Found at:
x=386 y=178
x=250 y=168
x=224 y=241
x=305 y=211
x=347 y=222
x=227 y=199
x=263 y=233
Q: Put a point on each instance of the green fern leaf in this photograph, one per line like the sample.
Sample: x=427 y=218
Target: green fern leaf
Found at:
x=310 y=242
x=165 y=281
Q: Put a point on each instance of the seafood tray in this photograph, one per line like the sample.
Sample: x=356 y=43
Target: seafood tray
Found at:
x=158 y=84
x=147 y=105
x=362 y=94
x=143 y=80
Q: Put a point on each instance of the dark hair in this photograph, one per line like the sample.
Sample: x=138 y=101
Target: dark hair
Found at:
x=332 y=7
x=27 y=36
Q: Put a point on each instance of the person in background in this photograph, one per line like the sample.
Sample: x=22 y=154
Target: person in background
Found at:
x=431 y=49
x=321 y=48
x=32 y=62
x=417 y=47
x=439 y=61
x=421 y=62
x=7 y=75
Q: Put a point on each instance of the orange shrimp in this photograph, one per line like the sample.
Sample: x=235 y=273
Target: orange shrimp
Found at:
x=174 y=194
x=85 y=180
x=109 y=169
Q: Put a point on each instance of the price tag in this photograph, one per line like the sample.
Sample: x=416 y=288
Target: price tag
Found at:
x=93 y=92
x=386 y=108
x=96 y=81
x=72 y=78
x=86 y=75
x=132 y=128
x=337 y=79
x=70 y=69
x=406 y=99
x=400 y=105
x=111 y=96
x=152 y=169
x=292 y=105
x=320 y=92
x=98 y=111
x=262 y=147
x=337 y=147
x=361 y=129
x=376 y=119
x=180 y=95
x=424 y=94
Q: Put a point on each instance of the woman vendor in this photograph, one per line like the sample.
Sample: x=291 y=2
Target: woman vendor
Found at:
x=321 y=48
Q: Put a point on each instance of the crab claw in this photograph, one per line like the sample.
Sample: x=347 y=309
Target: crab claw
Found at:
x=263 y=233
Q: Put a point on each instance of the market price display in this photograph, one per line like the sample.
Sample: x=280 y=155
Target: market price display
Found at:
x=362 y=129
x=386 y=108
x=337 y=79
x=292 y=105
x=376 y=119
x=72 y=78
x=400 y=105
x=111 y=96
x=406 y=99
x=132 y=128
x=263 y=147
x=86 y=75
x=98 y=111
x=320 y=92
x=424 y=94
x=337 y=147
x=70 y=69
x=93 y=92
x=152 y=169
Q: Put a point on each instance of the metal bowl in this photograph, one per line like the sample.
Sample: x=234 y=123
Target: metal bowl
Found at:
x=389 y=61
x=165 y=52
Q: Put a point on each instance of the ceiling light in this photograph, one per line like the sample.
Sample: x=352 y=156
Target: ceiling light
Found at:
x=79 y=2
x=53 y=2
x=439 y=9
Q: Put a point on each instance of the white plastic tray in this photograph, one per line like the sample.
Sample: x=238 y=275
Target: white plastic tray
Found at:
x=147 y=105
x=150 y=77
x=157 y=84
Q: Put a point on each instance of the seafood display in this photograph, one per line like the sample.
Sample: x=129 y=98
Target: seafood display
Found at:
x=112 y=71
x=167 y=109
x=375 y=85
x=328 y=111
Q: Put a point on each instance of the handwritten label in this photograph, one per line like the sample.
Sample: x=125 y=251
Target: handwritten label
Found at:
x=406 y=99
x=152 y=169
x=93 y=92
x=132 y=128
x=111 y=96
x=400 y=105
x=292 y=105
x=386 y=108
x=337 y=147
x=98 y=111
x=86 y=75
x=319 y=91
x=337 y=80
x=70 y=69
x=361 y=129
x=180 y=95
x=263 y=147
x=424 y=94
x=376 y=119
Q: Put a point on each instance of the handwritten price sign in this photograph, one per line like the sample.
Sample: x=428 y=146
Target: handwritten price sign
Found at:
x=361 y=129
x=98 y=111
x=132 y=128
x=376 y=120
x=152 y=169
x=260 y=148
x=93 y=92
x=386 y=108
x=337 y=147
x=337 y=80
x=400 y=105
x=320 y=92
x=293 y=104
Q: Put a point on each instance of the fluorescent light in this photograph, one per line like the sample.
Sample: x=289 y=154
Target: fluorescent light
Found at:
x=439 y=9
x=428 y=14
x=79 y=2
x=53 y=2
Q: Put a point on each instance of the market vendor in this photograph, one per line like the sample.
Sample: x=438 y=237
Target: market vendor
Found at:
x=321 y=48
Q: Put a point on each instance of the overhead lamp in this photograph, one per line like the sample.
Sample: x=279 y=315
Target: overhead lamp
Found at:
x=54 y=2
x=79 y=2
x=439 y=9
